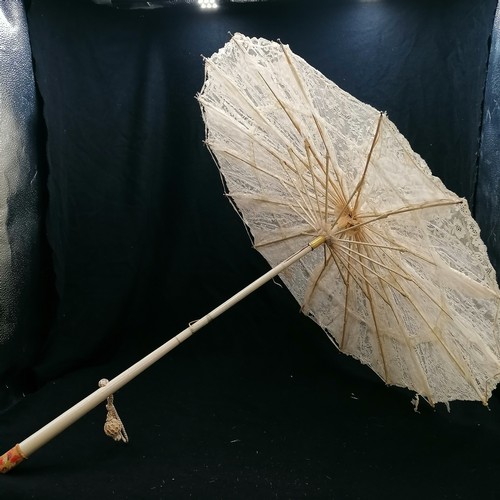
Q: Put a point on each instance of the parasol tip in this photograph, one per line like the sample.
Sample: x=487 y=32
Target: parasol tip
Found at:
x=11 y=458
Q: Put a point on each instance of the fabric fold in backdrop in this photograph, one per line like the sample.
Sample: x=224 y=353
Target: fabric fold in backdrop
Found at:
x=488 y=183
x=20 y=214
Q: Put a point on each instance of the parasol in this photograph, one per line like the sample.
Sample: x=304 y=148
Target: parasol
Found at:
x=403 y=283
x=381 y=255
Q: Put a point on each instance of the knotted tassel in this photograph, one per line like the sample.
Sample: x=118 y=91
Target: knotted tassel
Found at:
x=113 y=427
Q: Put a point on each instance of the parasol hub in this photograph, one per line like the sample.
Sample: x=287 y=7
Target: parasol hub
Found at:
x=347 y=221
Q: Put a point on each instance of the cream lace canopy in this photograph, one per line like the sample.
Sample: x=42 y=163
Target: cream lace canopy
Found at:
x=403 y=282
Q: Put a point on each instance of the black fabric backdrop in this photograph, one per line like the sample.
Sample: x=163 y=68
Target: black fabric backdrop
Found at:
x=259 y=404
x=488 y=185
x=142 y=238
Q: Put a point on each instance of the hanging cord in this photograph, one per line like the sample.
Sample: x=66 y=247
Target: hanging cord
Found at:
x=113 y=427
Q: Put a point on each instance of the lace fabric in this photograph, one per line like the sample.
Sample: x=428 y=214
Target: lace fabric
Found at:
x=403 y=282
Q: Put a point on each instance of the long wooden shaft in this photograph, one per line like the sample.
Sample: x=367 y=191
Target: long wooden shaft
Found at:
x=52 y=429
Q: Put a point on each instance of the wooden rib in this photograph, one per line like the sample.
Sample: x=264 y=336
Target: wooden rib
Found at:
x=377 y=332
x=292 y=119
x=407 y=341
x=373 y=261
x=467 y=375
x=398 y=211
x=367 y=282
x=308 y=148
x=306 y=96
x=278 y=178
x=367 y=267
x=361 y=182
x=266 y=121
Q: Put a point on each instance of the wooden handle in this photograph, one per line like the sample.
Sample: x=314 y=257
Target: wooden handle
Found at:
x=63 y=421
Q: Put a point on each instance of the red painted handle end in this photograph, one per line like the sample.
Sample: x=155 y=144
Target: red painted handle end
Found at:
x=10 y=459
